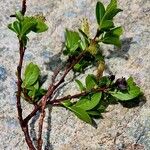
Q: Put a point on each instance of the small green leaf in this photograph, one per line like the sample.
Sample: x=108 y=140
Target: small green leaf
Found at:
x=28 y=24
x=118 y=31
x=19 y=16
x=107 y=24
x=114 y=40
x=15 y=27
x=40 y=26
x=39 y=93
x=81 y=86
x=94 y=113
x=36 y=85
x=111 y=10
x=32 y=73
x=72 y=40
x=10 y=26
x=42 y=91
x=100 y=11
x=102 y=108
x=90 y=82
x=109 y=15
x=88 y=104
x=104 y=81
x=67 y=103
x=132 y=92
x=84 y=40
x=32 y=93
x=81 y=114
x=111 y=5
x=78 y=67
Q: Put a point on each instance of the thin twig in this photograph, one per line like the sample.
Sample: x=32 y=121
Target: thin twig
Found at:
x=23 y=125
x=42 y=115
x=51 y=89
x=49 y=94
x=57 y=101
x=24 y=7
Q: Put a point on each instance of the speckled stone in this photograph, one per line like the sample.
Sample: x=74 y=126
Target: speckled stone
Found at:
x=122 y=128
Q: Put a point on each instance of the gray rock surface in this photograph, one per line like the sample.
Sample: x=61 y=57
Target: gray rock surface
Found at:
x=122 y=128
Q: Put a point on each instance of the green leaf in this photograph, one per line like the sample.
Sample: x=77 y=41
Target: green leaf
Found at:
x=28 y=24
x=87 y=104
x=67 y=103
x=15 y=27
x=104 y=81
x=90 y=82
x=39 y=93
x=32 y=73
x=111 y=5
x=72 y=40
x=107 y=24
x=84 y=40
x=94 y=113
x=111 y=10
x=132 y=92
x=109 y=15
x=111 y=39
x=19 y=16
x=81 y=114
x=102 y=108
x=81 y=86
x=118 y=31
x=42 y=91
x=100 y=11
x=36 y=85
x=32 y=93
x=78 y=67
x=40 y=26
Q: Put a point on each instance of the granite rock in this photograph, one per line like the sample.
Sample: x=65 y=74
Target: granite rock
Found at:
x=122 y=128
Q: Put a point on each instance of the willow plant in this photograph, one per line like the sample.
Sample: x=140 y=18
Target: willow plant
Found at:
x=82 y=51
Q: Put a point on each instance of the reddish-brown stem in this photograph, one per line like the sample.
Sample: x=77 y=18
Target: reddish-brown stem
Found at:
x=19 y=82
x=42 y=116
x=77 y=59
x=23 y=7
x=49 y=94
x=23 y=124
x=52 y=88
x=41 y=120
x=57 y=101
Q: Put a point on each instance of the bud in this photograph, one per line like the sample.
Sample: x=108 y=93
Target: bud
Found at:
x=112 y=77
x=121 y=84
x=92 y=48
x=100 y=69
x=85 y=26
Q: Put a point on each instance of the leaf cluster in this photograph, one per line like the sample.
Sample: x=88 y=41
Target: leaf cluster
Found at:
x=109 y=33
x=23 y=25
x=100 y=93
x=32 y=85
x=77 y=42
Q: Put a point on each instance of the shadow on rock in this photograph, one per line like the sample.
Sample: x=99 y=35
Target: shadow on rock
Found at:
x=140 y=101
x=33 y=133
x=32 y=126
x=54 y=61
x=123 y=51
x=48 y=145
